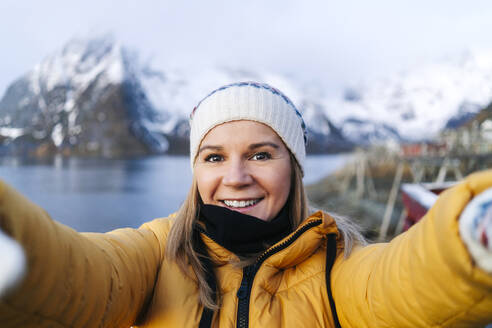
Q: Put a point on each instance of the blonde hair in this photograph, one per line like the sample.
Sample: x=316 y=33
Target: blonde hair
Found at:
x=180 y=248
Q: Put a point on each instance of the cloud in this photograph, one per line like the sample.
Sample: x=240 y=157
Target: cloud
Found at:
x=333 y=42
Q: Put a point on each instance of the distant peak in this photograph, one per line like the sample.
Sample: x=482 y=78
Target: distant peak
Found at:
x=95 y=48
x=80 y=61
x=84 y=43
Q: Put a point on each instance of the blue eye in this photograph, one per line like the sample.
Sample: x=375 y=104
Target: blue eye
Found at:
x=261 y=156
x=213 y=158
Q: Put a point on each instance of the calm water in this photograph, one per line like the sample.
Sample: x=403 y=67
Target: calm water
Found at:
x=101 y=195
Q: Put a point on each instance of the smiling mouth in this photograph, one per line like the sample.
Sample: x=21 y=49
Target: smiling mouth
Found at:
x=241 y=203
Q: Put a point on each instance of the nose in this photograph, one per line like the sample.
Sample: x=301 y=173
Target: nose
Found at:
x=237 y=174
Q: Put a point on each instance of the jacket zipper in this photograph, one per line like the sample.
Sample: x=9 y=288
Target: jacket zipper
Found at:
x=243 y=295
x=249 y=273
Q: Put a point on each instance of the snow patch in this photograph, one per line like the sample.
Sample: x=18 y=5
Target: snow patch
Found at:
x=11 y=132
x=57 y=135
x=417 y=192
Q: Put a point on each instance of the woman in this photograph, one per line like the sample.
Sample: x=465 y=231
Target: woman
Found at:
x=243 y=252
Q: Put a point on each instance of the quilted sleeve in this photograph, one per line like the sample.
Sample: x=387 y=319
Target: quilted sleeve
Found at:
x=75 y=279
x=423 y=278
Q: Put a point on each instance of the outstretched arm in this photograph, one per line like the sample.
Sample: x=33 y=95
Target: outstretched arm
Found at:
x=75 y=279
x=425 y=277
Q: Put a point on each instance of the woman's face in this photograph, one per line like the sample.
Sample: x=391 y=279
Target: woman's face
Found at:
x=244 y=166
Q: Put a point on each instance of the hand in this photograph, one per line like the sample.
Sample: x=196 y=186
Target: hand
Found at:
x=12 y=261
x=476 y=229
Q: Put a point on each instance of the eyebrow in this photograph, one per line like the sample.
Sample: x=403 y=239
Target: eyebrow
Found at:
x=263 y=144
x=252 y=146
x=216 y=148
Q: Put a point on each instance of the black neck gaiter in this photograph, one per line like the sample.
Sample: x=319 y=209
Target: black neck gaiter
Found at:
x=243 y=234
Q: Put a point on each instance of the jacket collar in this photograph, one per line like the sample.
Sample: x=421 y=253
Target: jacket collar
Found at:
x=291 y=250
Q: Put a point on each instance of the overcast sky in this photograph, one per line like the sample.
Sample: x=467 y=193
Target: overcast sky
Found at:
x=337 y=43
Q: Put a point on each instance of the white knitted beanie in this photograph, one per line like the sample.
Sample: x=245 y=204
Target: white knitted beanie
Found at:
x=249 y=101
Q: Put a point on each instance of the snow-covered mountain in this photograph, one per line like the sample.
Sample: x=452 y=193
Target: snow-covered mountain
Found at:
x=417 y=104
x=86 y=100
x=94 y=97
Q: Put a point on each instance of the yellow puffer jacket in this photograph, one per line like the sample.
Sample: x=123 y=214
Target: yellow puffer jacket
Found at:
x=423 y=278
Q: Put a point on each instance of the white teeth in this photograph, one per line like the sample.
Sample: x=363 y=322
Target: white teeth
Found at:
x=241 y=203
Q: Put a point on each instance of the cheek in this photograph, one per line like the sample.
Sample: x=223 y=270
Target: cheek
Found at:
x=286 y=186
x=205 y=184
x=280 y=184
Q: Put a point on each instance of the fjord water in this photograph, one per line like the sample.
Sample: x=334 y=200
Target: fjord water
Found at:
x=101 y=195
